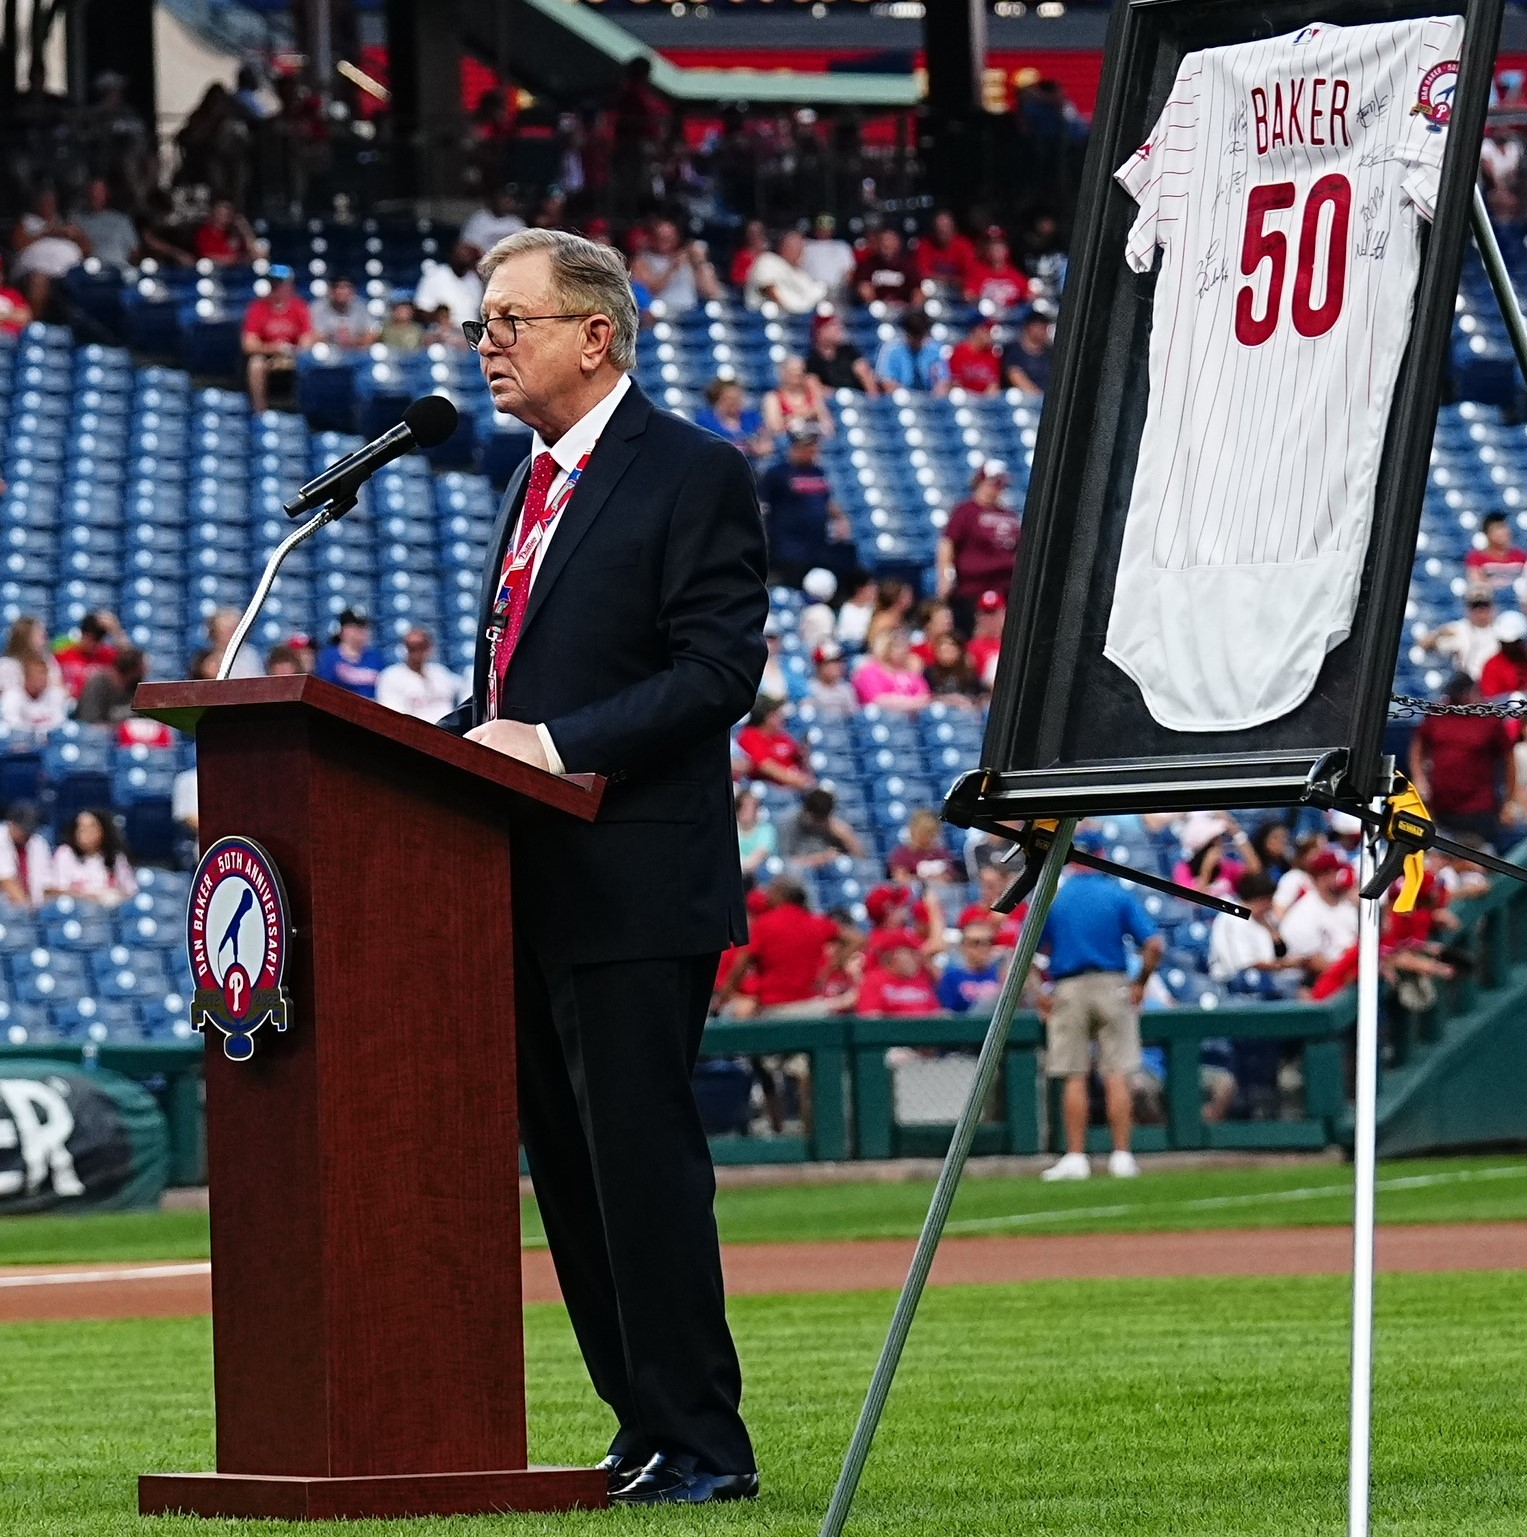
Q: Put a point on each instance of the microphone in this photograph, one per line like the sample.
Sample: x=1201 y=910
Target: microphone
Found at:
x=427 y=423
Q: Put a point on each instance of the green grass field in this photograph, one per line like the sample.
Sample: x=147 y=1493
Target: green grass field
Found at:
x=1136 y=1408
x=1431 y=1190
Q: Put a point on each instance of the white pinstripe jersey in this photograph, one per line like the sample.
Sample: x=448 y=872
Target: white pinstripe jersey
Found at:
x=1283 y=183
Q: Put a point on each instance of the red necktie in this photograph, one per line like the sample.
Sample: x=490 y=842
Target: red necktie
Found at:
x=514 y=584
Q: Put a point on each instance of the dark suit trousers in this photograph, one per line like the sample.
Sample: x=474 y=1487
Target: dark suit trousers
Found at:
x=623 y=1176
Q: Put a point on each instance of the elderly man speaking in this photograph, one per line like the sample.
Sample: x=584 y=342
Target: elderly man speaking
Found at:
x=621 y=634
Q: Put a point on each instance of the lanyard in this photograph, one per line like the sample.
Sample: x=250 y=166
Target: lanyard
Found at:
x=525 y=553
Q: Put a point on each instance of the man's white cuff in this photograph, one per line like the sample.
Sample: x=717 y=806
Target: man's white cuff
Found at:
x=553 y=758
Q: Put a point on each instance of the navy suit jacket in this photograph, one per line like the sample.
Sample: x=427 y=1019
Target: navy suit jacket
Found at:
x=642 y=645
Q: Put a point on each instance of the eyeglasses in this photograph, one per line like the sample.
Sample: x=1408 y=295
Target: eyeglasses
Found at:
x=503 y=330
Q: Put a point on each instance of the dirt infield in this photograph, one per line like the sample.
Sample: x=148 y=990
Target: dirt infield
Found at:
x=29 y=1293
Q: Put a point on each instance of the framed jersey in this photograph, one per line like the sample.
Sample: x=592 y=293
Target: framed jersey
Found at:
x=1230 y=466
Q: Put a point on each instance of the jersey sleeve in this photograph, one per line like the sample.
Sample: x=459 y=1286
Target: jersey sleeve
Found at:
x=1429 y=109
x=1166 y=152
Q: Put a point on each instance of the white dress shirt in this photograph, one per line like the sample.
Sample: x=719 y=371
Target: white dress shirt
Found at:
x=578 y=440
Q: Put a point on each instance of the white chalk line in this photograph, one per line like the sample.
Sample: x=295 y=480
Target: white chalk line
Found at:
x=1218 y=1202
x=93 y=1277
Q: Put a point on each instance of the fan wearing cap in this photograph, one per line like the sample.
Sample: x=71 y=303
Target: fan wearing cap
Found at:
x=1093 y=1000
x=829 y=691
x=985 y=643
x=1321 y=926
x=835 y=361
x=1468 y=643
x=979 y=545
x=1026 y=358
x=806 y=528
x=828 y=257
x=975 y=364
x=772 y=753
x=350 y=660
x=276 y=328
x=1506 y=671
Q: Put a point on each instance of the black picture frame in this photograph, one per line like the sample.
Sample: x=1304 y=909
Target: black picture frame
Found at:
x=1068 y=733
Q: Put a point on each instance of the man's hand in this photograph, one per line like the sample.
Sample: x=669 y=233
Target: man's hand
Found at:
x=513 y=738
x=1137 y=993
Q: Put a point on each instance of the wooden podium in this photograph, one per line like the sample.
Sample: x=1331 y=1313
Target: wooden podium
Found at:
x=364 y=1165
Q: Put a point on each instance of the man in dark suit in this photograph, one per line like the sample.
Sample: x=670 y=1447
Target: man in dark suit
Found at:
x=622 y=634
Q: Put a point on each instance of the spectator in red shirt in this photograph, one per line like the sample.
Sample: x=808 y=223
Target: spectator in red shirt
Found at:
x=276 y=329
x=893 y=911
x=1463 y=768
x=993 y=278
x=923 y=856
x=96 y=647
x=15 y=312
x=1499 y=562
x=786 y=953
x=932 y=621
x=884 y=272
x=986 y=640
x=772 y=753
x=979 y=545
x=901 y=984
x=976 y=362
x=1506 y=671
x=225 y=239
x=944 y=256
x=755 y=241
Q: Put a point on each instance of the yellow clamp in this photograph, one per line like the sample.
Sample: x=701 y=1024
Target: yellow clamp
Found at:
x=1411 y=824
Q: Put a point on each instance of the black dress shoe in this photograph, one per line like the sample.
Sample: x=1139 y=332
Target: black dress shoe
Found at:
x=673 y=1481
x=619 y=1470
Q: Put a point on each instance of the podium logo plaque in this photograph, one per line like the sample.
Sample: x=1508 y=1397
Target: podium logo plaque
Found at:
x=237 y=936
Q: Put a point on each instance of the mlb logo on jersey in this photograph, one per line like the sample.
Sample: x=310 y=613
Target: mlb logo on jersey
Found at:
x=1307 y=35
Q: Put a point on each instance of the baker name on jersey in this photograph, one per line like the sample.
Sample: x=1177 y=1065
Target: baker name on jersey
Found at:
x=1311 y=110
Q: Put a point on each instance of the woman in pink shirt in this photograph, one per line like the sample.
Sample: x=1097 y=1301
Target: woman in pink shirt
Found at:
x=891 y=677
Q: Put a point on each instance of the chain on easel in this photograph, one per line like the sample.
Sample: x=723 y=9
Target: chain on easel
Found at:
x=1410 y=706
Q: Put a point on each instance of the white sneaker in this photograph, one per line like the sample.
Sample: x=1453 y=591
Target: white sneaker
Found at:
x=1122 y=1165
x=1072 y=1166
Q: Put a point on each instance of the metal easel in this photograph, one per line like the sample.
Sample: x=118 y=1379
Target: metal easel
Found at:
x=1047 y=847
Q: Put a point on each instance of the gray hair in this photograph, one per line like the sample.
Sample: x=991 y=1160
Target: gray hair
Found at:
x=586 y=276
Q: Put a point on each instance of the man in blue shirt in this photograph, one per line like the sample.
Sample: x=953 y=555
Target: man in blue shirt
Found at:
x=805 y=527
x=913 y=360
x=351 y=660
x=974 y=980
x=1092 y=999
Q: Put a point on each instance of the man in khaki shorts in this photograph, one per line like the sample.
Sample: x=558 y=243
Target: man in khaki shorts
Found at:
x=1093 y=999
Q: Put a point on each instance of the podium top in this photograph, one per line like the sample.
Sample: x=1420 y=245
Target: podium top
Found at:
x=182 y=706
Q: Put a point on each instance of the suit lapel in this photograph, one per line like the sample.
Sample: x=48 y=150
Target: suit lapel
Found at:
x=612 y=455
x=507 y=512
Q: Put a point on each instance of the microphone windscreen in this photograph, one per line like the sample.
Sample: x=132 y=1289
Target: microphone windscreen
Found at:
x=431 y=419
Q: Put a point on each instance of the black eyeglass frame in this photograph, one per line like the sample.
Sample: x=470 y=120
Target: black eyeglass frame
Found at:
x=475 y=330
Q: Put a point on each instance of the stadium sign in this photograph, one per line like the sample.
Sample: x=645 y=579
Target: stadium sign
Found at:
x=237 y=936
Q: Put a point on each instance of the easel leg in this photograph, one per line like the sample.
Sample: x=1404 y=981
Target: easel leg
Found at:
x=1500 y=279
x=1364 y=1142
x=987 y=1065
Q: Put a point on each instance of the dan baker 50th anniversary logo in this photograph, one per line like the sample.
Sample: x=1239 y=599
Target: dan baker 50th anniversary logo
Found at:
x=237 y=935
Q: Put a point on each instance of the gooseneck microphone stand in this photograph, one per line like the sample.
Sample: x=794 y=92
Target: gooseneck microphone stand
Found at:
x=331 y=512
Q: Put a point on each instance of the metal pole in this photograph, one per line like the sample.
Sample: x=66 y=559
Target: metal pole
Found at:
x=320 y=519
x=1364 y=1142
x=987 y=1064
x=1500 y=279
